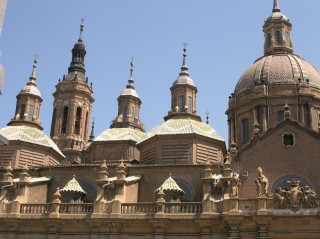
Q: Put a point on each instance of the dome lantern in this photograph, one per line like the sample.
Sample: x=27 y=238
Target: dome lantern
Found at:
x=183 y=95
x=277 y=32
x=129 y=105
x=28 y=103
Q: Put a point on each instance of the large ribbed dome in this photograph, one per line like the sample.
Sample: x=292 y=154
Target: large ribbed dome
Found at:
x=278 y=69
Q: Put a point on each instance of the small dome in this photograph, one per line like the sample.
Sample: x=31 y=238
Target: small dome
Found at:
x=117 y=134
x=31 y=89
x=28 y=134
x=79 y=45
x=184 y=80
x=184 y=126
x=73 y=186
x=76 y=75
x=277 y=16
x=170 y=185
x=130 y=91
x=278 y=69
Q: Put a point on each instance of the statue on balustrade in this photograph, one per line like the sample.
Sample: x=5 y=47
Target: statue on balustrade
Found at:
x=234 y=183
x=262 y=183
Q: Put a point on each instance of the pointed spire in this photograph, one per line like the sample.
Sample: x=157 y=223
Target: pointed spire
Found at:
x=33 y=73
x=77 y=61
x=91 y=137
x=131 y=81
x=81 y=30
x=276 y=6
x=184 y=67
x=32 y=78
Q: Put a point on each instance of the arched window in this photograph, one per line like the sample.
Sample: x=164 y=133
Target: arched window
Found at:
x=22 y=109
x=53 y=122
x=86 y=127
x=77 y=121
x=132 y=113
x=269 y=39
x=190 y=104
x=181 y=103
x=64 y=120
x=245 y=130
x=30 y=112
x=125 y=112
x=278 y=37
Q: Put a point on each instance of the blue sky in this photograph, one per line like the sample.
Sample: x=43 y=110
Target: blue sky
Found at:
x=224 y=37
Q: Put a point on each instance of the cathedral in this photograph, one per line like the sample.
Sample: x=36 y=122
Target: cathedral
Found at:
x=179 y=180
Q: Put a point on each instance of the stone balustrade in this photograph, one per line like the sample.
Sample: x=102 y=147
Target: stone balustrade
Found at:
x=138 y=208
x=45 y=208
x=76 y=208
x=167 y=209
x=184 y=207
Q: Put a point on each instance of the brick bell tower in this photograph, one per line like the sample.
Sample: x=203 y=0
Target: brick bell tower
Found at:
x=72 y=106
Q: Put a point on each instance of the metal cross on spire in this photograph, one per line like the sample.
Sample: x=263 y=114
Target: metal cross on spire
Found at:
x=33 y=73
x=81 y=29
x=207 y=117
x=184 y=68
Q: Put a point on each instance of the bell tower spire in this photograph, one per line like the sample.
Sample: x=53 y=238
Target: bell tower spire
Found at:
x=72 y=106
x=76 y=69
x=28 y=103
x=129 y=105
x=183 y=94
x=277 y=32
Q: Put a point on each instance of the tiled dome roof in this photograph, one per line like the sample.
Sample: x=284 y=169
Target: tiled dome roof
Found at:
x=116 y=134
x=30 y=135
x=278 y=69
x=184 y=126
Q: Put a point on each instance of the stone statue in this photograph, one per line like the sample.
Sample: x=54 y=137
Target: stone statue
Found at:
x=309 y=197
x=262 y=183
x=294 y=197
x=279 y=198
x=234 y=184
